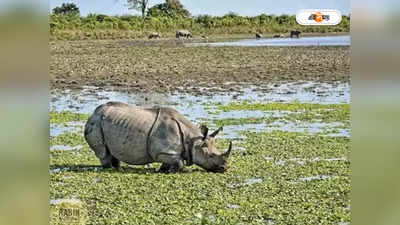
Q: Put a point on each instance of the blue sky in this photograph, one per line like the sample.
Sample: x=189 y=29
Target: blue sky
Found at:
x=214 y=7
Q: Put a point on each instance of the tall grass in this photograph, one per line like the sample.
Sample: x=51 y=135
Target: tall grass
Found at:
x=120 y=27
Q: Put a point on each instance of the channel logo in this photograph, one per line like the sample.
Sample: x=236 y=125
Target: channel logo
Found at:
x=318 y=17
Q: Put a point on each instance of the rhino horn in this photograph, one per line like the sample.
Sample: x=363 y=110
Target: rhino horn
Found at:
x=216 y=132
x=204 y=131
x=227 y=153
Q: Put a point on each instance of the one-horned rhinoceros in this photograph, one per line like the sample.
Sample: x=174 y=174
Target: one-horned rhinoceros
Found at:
x=183 y=33
x=121 y=132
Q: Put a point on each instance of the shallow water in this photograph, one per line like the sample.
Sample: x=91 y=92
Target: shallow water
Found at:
x=302 y=161
x=57 y=129
x=302 y=41
x=253 y=181
x=65 y=148
x=87 y=99
x=200 y=109
x=234 y=131
x=318 y=177
x=69 y=201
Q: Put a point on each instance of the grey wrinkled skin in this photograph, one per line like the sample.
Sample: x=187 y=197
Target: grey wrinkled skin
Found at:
x=183 y=33
x=295 y=33
x=121 y=132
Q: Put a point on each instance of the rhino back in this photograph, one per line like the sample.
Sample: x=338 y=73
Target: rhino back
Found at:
x=190 y=129
x=126 y=128
x=183 y=32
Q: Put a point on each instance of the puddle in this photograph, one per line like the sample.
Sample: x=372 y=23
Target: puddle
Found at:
x=247 y=182
x=253 y=181
x=57 y=129
x=69 y=201
x=318 y=177
x=65 y=148
x=330 y=160
x=232 y=206
x=302 y=161
x=307 y=127
x=343 y=40
x=67 y=169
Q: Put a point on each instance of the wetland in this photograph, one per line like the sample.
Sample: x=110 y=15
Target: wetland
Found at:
x=286 y=109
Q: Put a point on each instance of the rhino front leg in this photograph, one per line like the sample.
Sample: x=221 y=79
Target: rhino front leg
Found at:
x=170 y=163
x=164 y=168
x=110 y=161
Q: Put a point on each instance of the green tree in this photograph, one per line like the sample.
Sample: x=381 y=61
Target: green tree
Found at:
x=66 y=9
x=139 y=5
x=171 y=8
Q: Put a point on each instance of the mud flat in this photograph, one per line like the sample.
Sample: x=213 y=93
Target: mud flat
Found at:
x=169 y=68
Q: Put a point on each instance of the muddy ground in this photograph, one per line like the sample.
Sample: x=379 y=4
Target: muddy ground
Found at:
x=168 y=66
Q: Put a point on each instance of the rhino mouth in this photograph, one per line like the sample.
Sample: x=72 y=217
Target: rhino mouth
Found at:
x=218 y=169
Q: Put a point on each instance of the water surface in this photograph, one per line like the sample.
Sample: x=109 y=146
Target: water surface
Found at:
x=302 y=41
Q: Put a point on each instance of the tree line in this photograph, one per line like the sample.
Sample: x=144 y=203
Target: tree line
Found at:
x=66 y=22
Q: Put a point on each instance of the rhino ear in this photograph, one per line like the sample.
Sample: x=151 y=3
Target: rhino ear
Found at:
x=204 y=131
x=216 y=132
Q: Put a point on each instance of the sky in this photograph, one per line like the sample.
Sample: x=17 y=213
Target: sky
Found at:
x=213 y=7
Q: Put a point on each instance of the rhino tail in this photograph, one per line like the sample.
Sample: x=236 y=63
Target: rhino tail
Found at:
x=94 y=135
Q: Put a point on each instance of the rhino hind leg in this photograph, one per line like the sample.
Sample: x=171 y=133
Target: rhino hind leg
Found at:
x=109 y=161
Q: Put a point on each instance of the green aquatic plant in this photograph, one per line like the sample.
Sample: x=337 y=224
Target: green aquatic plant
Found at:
x=257 y=187
x=65 y=116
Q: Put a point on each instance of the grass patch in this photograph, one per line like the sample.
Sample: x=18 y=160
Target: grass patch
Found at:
x=138 y=195
x=63 y=117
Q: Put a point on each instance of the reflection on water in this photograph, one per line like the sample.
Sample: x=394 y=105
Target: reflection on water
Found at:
x=303 y=41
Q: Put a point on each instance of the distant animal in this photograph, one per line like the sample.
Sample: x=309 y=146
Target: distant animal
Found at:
x=205 y=38
x=183 y=33
x=121 y=132
x=154 y=35
x=295 y=33
x=278 y=36
x=258 y=36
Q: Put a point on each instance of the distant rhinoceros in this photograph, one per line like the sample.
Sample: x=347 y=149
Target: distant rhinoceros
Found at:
x=154 y=35
x=183 y=33
x=121 y=132
x=258 y=36
x=295 y=33
x=278 y=36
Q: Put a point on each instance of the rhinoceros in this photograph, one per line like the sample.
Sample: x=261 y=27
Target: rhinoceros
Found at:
x=122 y=132
x=295 y=33
x=258 y=36
x=154 y=35
x=183 y=33
x=278 y=36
